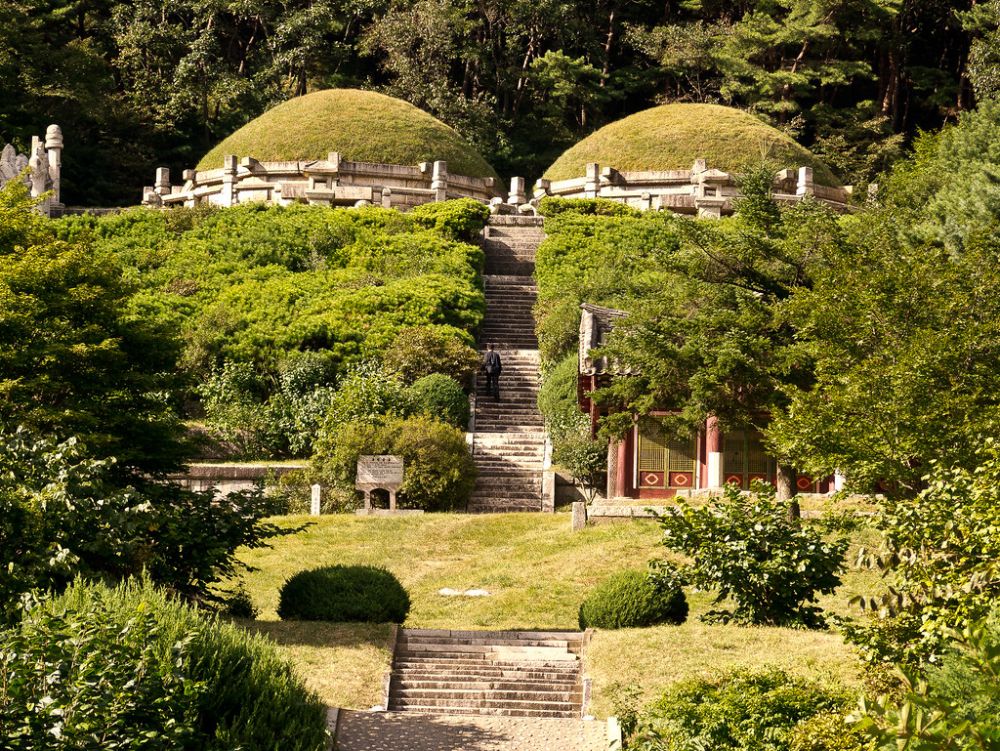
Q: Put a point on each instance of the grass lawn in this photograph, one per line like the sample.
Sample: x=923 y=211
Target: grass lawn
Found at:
x=538 y=572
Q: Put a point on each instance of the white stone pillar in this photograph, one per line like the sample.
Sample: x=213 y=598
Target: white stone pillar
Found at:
x=439 y=181
x=542 y=187
x=229 y=169
x=316 y=501
x=805 y=184
x=839 y=480
x=162 y=183
x=593 y=184
x=517 y=195
x=54 y=147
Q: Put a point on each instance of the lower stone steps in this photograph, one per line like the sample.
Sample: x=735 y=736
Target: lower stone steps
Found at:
x=504 y=673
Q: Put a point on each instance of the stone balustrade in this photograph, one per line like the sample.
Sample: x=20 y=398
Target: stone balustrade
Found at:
x=40 y=168
x=699 y=191
x=329 y=182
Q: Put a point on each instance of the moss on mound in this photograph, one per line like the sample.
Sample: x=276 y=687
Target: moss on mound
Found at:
x=362 y=125
x=672 y=136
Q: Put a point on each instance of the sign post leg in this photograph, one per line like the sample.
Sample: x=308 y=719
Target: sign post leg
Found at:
x=368 y=500
x=392 y=500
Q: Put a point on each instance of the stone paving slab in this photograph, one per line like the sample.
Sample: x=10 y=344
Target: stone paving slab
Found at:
x=411 y=731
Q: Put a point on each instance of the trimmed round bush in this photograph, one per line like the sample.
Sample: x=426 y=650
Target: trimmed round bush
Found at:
x=366 y=594
x=130 y=667
x=631 y=599
x=442 y=397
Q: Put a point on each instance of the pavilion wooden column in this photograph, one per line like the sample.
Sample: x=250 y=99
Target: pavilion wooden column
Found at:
x=713 y=449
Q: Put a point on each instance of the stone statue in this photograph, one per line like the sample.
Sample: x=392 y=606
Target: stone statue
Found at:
x=40 y=170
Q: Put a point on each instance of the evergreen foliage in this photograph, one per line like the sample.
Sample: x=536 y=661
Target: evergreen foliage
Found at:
x=634 y=599
x=746 y=548
x=130 y=667
x=344 y=593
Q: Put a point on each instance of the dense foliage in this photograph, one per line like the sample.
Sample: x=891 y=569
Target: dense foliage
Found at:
x=738 y=711
x=634 y=599
x=745 y=547
x=344 y=593
x=137 y=85
x=63 y=516
x=272 y=304
x=129 y=667
x=956 y=705
x=75 y=361
x=940 y=556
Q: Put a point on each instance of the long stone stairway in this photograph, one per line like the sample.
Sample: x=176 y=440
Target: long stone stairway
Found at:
x=508 y=443
x=502 y=673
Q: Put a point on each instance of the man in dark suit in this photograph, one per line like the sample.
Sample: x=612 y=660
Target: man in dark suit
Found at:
x=492 y=366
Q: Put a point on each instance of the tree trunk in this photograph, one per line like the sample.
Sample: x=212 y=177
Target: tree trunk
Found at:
x=785 y=482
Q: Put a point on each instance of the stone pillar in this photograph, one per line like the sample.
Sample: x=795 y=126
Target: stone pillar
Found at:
x=517 y=195
x=839 y=480
x=579 y=515
x=229 y=168
x=713 y=451
x=386 y=198
x=542 y=187
x=392 y=500
x=805 y=185
x=38 y=175
x=54 y=147
x=439 y=181
x=593 y=184
x=623 y=466
x=612 y=470
x=162 y=183
x=316 y=500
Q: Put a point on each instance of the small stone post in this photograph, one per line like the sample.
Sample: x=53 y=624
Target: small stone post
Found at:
x=317 y=498
x=579 y=515
x=439 y=181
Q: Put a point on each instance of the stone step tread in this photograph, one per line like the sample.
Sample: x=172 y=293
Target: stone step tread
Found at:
x=562 y=715
x=469 y=667
x=504 y=704
x=405 y=682
x=487 y=694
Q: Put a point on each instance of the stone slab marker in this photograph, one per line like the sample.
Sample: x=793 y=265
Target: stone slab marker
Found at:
x=317 y=497
x=579 y=515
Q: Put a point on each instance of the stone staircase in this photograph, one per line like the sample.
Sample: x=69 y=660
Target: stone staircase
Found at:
x=508 y=442
x=500 y=673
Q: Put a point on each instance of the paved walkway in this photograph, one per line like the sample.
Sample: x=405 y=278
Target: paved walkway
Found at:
x=411 y=731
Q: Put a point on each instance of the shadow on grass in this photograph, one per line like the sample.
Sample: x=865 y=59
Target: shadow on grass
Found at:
x=322 y=633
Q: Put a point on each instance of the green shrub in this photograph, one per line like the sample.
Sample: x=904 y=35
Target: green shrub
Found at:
x=461 y=219
x=419 y=351
x=828 y=731
x=746 y=547
x=553 y=206
x=438 y=475
x=132 y=668
x=737 y=712
x=557 y=399
x=344 y=593
x=631 y=599
x=441 y=396
x=367 y=393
